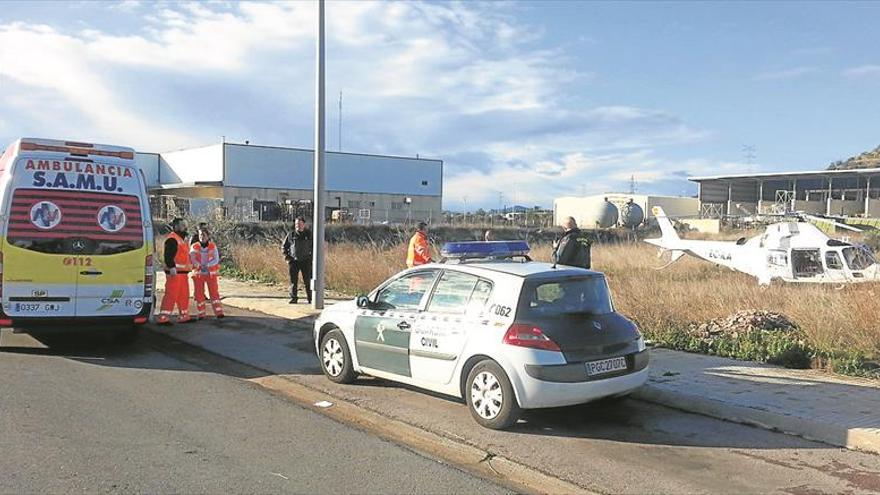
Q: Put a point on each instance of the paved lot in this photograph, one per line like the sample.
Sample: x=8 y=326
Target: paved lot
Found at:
x=629 y=447
x=87 y=416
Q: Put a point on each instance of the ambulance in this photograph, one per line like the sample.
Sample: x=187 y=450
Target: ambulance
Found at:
x=76 y=251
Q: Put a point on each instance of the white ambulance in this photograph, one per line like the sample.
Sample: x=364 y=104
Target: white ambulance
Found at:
x=77 y=242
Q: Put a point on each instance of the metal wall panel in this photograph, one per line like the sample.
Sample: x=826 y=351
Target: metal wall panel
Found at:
x=713 y=191
x=285 y=168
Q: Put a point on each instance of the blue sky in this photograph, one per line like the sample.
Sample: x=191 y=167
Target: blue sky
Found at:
x=525 y=101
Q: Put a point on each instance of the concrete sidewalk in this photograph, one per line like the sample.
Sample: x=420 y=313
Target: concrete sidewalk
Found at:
x=836 y=410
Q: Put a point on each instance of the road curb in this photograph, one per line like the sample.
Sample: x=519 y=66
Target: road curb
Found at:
x=852 y=437
x=468 y=457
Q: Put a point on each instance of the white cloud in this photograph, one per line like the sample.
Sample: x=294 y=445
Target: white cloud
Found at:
x=784 y=74
x=865 y=71
x=439 y=79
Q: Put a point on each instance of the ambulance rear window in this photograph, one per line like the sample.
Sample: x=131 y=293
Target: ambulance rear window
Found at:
x=67 y=222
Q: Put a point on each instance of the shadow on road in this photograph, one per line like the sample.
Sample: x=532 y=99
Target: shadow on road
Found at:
x=253 y=342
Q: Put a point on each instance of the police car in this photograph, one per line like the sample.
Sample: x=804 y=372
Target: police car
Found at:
x=490 y=326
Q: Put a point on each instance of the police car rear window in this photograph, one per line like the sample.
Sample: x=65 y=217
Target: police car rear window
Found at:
x=581 y=295
x=67 y=222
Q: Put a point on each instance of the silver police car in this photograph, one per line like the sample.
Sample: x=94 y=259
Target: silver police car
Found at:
x=492 y=327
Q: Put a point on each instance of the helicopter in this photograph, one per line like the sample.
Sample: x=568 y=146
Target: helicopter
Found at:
x=790 y=251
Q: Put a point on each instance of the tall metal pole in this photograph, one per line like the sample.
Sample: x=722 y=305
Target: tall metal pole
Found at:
x=319 y=192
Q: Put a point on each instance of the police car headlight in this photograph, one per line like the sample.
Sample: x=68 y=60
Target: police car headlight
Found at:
x=641 y=343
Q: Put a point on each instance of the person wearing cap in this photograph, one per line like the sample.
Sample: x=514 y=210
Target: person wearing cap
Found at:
x=418 y=252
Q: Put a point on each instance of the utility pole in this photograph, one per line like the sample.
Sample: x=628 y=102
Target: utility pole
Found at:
x=340 y=121
x=319 y=193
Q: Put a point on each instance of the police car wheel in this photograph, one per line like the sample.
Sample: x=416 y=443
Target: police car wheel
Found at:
x=490 y=396
x=335 y=358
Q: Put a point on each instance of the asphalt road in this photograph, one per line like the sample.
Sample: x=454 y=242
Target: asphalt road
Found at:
x=89 y=416
x=625 y=447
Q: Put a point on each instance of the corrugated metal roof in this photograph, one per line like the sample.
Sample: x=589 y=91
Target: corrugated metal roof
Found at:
x=783 y=175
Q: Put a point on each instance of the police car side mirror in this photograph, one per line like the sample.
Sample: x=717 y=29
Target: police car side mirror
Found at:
x=363 y=301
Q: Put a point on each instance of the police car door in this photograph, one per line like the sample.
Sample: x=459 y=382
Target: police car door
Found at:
x=442 y=330
x=382 y=333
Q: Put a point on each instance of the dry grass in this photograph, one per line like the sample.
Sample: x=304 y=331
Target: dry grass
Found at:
x=689 y=291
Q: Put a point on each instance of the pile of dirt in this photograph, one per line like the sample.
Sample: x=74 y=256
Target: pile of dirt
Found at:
x=743 y=323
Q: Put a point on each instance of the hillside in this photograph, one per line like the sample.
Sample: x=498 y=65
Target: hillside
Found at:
x=868 y=159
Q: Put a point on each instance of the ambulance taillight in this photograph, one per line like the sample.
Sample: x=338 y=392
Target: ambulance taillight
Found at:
x=148 y=277
x=4 y=321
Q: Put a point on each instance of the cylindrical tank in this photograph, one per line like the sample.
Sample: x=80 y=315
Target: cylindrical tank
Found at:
x=631 y=215
x=598 y=215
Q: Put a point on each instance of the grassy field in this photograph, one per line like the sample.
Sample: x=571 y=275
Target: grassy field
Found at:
x=839 y=326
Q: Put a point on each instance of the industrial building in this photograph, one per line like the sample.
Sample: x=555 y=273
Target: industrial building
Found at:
x=248 y=182
x=853 y=193
x=594 y=211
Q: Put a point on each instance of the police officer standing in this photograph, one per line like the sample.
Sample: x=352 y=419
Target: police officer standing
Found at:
x=572 y=249
x=297 y=249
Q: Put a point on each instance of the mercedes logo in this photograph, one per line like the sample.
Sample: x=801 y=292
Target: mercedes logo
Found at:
x=78 y=245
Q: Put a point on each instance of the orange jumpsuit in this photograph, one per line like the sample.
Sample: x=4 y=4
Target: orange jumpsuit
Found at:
x=176 y=286
x=206 y=267
x=418 y=253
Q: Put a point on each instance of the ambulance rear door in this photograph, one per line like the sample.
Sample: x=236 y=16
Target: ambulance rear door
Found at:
x=111 y=270
x=39 y=277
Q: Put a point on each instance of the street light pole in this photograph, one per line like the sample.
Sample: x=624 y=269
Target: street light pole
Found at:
x=319 y=192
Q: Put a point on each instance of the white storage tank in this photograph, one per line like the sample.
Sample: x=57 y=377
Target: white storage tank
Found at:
x=631 y=215
x=589 y=213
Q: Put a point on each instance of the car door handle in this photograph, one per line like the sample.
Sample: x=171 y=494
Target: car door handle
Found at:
x=403 y=325
x=91 y=273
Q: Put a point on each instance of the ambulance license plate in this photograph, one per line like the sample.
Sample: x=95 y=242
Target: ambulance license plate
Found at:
x=606 y=366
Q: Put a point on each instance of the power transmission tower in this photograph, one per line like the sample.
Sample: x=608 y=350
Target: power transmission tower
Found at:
x=749 y=154
x=632 y=184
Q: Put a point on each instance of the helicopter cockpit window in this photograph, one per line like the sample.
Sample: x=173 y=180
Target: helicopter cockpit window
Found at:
x=858 y=258
x=832 y=261
x=806 y=262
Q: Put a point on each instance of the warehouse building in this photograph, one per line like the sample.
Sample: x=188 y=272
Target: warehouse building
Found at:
x=248 y=182
x=853 y=193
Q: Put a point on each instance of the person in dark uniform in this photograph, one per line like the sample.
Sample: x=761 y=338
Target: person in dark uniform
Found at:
x=573 y=249
x=297 y=249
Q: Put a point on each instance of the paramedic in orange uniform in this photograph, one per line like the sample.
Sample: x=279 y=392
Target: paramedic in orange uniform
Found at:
x=206 y=267
x=177 y=268
x=418 y=252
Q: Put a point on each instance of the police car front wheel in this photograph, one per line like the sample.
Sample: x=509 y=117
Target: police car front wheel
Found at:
x=335 y=358
x=490 y=396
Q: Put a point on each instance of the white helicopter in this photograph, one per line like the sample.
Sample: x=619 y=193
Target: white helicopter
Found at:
x=794 y=251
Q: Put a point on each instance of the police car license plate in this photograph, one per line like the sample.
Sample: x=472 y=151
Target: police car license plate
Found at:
x=606 y=366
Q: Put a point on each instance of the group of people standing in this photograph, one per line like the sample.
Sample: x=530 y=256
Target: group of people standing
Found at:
x=198 y=257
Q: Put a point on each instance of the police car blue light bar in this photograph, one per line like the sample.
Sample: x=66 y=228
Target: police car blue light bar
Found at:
x=487 y=249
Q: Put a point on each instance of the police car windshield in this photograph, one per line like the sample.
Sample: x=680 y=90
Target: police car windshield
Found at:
x=569 y=296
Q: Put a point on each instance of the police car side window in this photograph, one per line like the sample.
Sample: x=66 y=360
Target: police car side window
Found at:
x=479 y=297
x=406 y=292
x=452 y=293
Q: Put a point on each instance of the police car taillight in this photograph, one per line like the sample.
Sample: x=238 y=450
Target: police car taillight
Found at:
x=522 y=335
